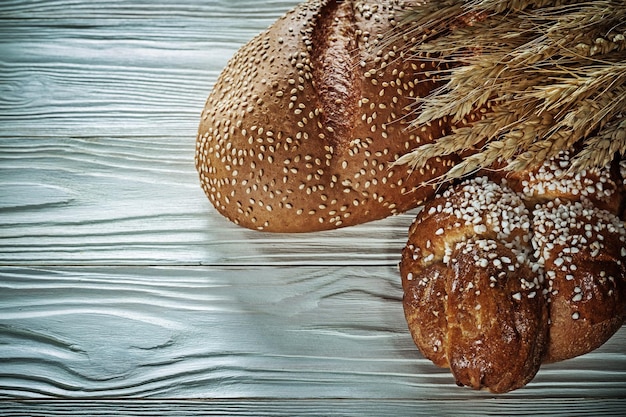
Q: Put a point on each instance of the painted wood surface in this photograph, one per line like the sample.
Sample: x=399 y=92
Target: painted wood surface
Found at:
x=123 y=293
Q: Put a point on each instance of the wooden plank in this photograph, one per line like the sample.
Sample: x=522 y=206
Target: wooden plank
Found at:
x=119 y=282
x=97 y=129
x=121 y=68
x=105 y=200
x=253 y=332
x=566 y=407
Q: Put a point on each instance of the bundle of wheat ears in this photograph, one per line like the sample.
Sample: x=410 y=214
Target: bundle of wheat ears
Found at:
x=552 y=75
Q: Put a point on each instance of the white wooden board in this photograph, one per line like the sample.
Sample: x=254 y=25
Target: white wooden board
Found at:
x=122 y=292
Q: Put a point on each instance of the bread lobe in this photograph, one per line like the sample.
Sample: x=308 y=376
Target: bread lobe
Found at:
x=472 y=300
x=497 y=328
x=582 y=251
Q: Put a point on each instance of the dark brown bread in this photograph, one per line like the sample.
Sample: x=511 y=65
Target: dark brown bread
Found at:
x=301 y=128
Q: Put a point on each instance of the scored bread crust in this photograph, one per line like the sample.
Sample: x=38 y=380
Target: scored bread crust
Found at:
x=301 y=128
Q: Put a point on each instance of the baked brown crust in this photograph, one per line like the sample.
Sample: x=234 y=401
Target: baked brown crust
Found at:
x=482 y=323
x=472 y=300
x=582 y=249
x=302 y=127
x=555 y=180
x=562 y=293
x=579 y=243
x=498 y=328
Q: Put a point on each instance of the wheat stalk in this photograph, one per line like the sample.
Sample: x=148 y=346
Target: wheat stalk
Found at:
x=600 y=149
x=551 y=75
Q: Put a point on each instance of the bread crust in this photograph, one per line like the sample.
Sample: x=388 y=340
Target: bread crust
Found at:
x=302 y=127
x=472 y=300
x=579 y=242
x=563 y=296
x=582 y=251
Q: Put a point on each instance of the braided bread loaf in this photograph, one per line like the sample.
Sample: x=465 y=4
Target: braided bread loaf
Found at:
x=503 y=273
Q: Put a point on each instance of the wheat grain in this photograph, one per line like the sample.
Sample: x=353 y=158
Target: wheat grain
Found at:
x=551 y=73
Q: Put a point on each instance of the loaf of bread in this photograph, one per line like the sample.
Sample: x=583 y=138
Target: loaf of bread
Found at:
x=504 y=272
x=501 y=273
x=302 y=127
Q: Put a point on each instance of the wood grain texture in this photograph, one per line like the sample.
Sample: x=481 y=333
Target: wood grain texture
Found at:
x=99 y=110
x=138 y=201
x=122 y=292
x=277 y=332
x=566 y=407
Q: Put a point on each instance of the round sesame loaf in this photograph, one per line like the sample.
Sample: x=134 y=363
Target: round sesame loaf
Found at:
x=302 y=127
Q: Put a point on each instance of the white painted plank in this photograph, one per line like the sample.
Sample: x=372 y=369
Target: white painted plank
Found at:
x=254 y=332
x=565 y=407
x=103 y=227
x=125 y=68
